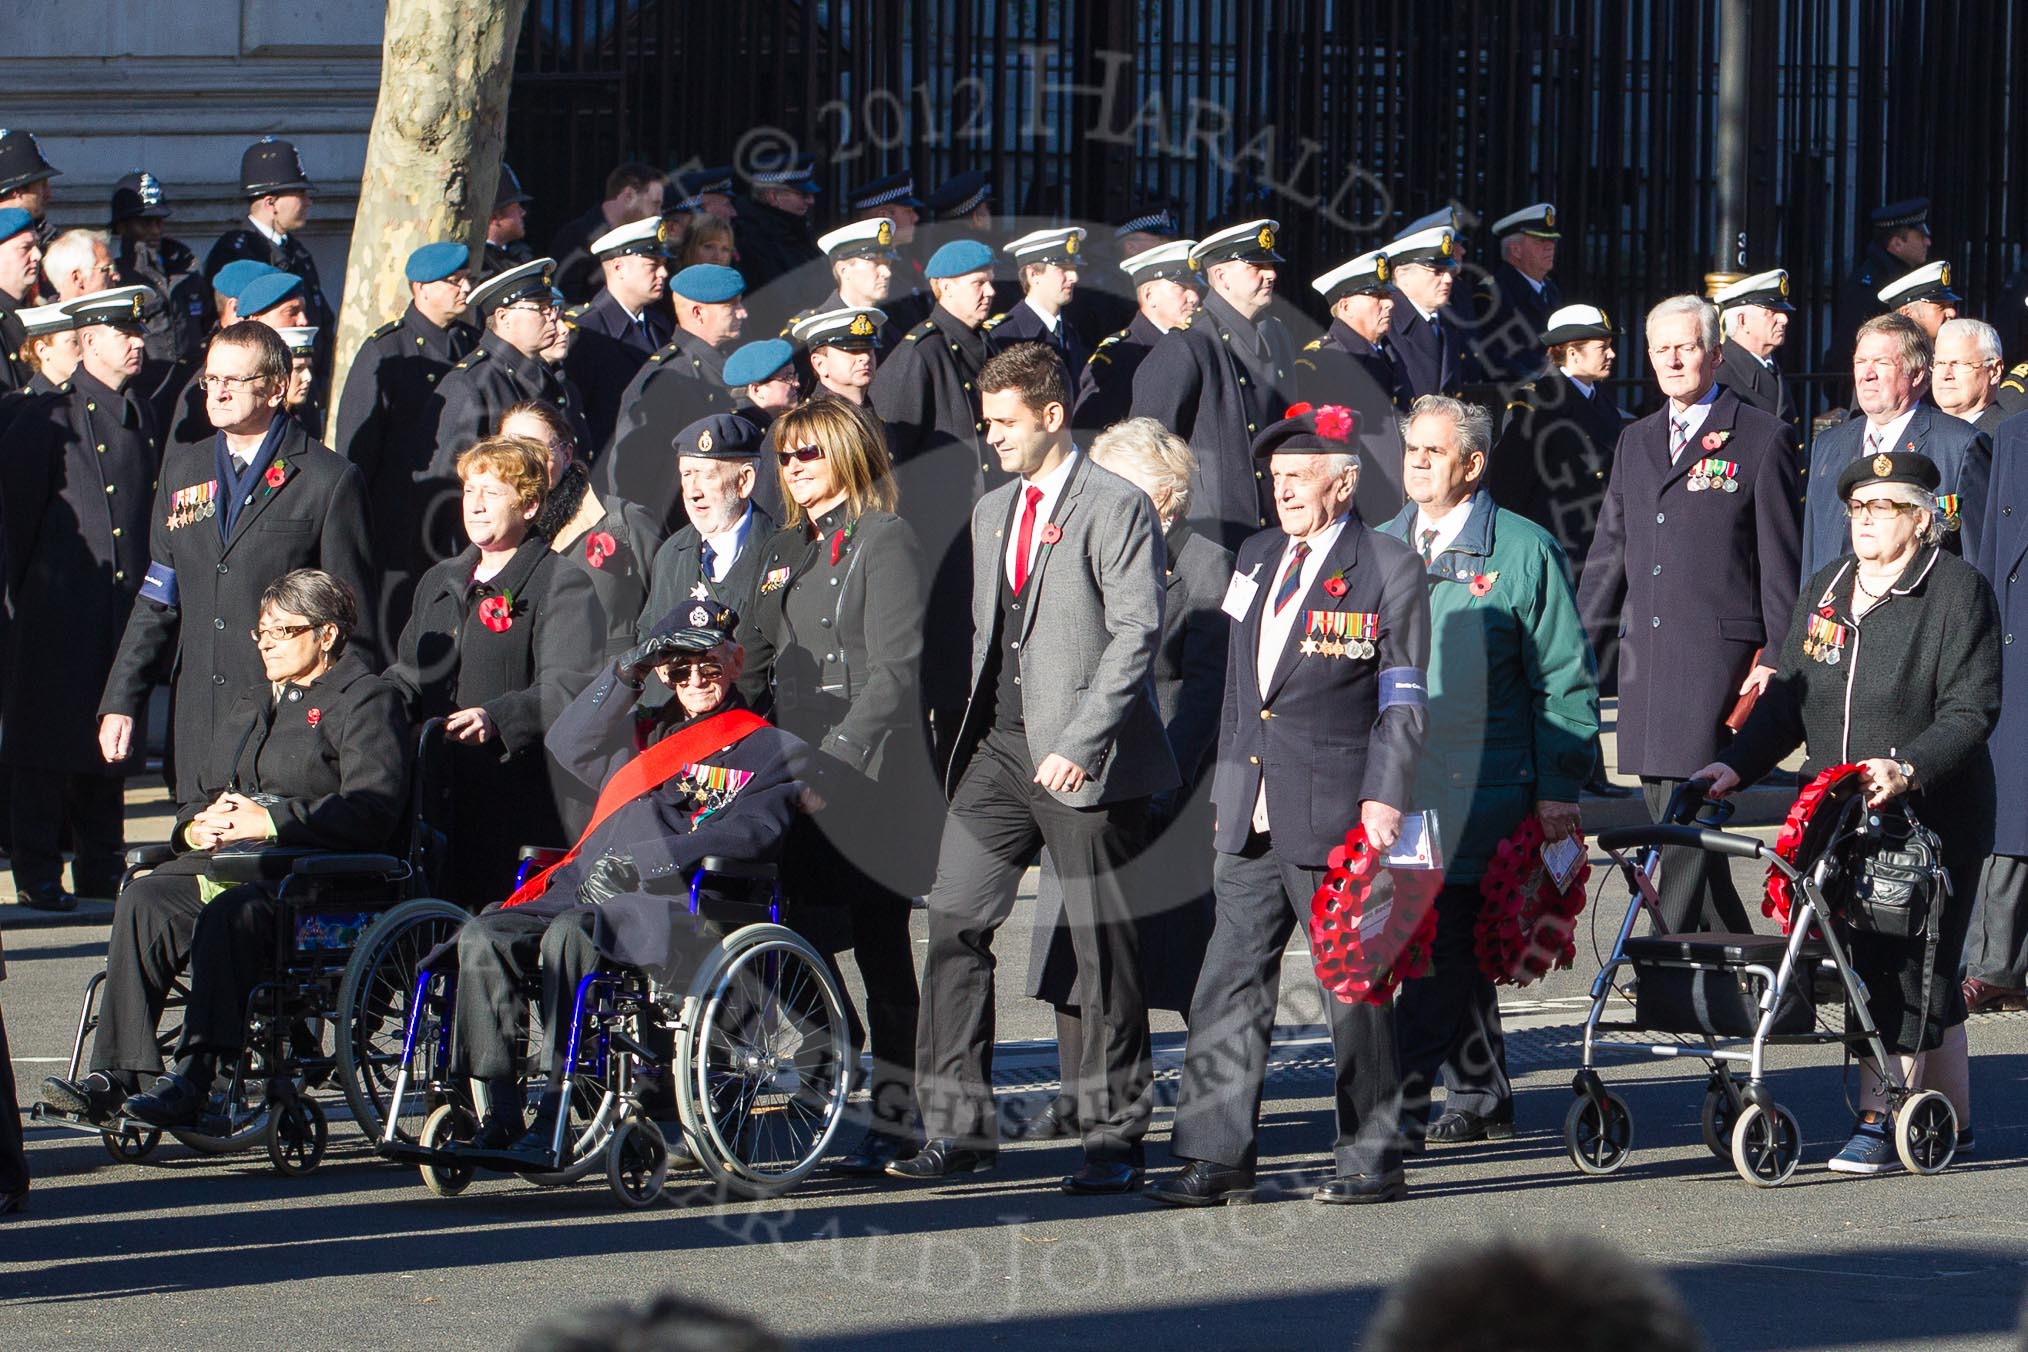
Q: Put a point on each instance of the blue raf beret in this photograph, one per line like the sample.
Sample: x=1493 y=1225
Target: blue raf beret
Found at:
x=434 y=262
x=756 y=361
x=722 y=436
x=266 y=291
x=708 y=284
x=13 y=220
x=233 y=277
x=959 y=257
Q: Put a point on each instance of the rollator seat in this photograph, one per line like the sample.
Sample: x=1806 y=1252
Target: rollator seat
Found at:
x=1699 y=983
x=1716 y=949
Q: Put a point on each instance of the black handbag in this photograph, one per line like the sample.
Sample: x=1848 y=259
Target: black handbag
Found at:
x=1897 y=874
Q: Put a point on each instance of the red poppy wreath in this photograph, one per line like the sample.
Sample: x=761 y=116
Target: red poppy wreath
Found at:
x=1371 y=927
x=1526 y=927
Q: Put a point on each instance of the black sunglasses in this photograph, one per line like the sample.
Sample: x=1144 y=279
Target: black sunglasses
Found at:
x=806 y=454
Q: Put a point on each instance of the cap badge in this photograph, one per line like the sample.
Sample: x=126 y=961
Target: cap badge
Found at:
x=1267 y=237
x=1444 y=245
x=140 y=303
x=1782 y=284
x=1943 y=274
x=1603 y=322
x=704 y=442
x=1070 y=245
x=662 y=231
x=1380 y=267
x=1549 y=218
x=545 y=278
x=1882 y=464
x=151 y=190
x=699 y=615
x=862 y=327
x=885 y=234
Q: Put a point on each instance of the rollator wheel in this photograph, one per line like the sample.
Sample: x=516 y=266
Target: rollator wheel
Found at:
x=130 y=1142
x=1717 y=1121
x=297 y=1134
x=452 y=1122
x=637 y=1162
x=1926 y=1132
x=1598 y=1134
x=373 y=1012
x=1766 y=1150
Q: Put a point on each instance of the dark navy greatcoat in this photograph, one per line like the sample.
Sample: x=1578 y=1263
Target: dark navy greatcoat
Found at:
x=680 y=382
x=668 y=830
x=1196 y=385
x=313 y=517
x=610 y=349
x=1553 y=456
x=1343 y=368
x=1512 y=317
x=1428 y=355
x=2002 y=555
x=1706 y=579
x=1749 y=377
x=1330 y=743
x=1108 y=392
x=1963 y=459
x=77 y=471
x=490 y=379
x=1023 y=324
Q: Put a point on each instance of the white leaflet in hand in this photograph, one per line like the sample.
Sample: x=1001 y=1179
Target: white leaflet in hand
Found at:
x=1562 y=858
x=1419 y=846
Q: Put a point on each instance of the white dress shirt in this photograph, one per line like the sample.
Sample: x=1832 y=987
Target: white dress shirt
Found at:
x=1446 y=527
x=1050 y=323
x=269 y=235
x=1690 y=419
x=725 y=547
x=1886 y=436
x=1051 y=485
x=1276 y=631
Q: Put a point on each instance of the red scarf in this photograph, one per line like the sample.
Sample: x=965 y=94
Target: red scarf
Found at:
x=647 y=772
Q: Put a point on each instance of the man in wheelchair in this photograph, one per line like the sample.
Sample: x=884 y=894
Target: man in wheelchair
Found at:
x=700 y=776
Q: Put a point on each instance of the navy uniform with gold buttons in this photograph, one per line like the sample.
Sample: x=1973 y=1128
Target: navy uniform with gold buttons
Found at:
x=1754 y=378
x=1427 y=350
x=385 y=425
x=218 y=536
x=1347 y=368
x=683 y=380
x=1108 y=393
x=80 y=469
x=495 y=375
x=612 y=345
x=1510 y=308
x=1217 y=381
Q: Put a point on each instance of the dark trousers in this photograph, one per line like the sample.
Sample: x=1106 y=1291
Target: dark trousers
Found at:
x=1261 y=898
x=152 y=926
x=1450 y=1019
x=13 y=1158
x=498 y=954
x=231 y=951
x=877 y=925
x=43 y=802
x=1696 y=886
x=999 y=818
x=1997 y=949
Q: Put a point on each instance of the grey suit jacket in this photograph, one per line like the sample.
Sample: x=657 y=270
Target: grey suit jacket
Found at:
x=1090 y=628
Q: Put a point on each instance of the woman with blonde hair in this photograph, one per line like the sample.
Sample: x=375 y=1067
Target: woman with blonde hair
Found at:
x=503 y=636
x=834 y=640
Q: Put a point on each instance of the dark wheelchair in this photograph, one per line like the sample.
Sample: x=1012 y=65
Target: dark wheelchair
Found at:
x=353 y=930
x=760 y=1058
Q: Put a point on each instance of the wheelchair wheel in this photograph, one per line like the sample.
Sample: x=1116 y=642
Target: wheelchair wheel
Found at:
x=297 y=1134
x=765 y=1062
x=130 y=1142
x=1598 y=1133
x=637 y=1162
x=1717 y=1119
x=1926 y=1132
x=1766 y=1149
x=373 y=1011
x=451 y=1122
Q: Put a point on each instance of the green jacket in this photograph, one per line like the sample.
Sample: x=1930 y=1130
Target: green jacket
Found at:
x=1513 y=697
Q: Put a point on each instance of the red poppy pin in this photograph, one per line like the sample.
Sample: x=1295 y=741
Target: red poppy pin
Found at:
x=598 y=547
x=497 y=612
x=315 y=716
x=277 y=475
x=1483 y=583
x=1051 y=533
x=1334 y=585
x=838 y=539
x=1334 y=421
x=1715 y=440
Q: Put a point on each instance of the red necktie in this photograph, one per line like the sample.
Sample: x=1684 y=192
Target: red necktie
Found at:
x=1025 y=538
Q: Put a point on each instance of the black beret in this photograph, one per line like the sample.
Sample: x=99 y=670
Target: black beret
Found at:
x=1890 y=467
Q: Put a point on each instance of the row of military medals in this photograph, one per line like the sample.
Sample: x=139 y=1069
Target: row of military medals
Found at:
x=1715 y=474
x=1340 y=633
x=1825 y=641
x=199 y=502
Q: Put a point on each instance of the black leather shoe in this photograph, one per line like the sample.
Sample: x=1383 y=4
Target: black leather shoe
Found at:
x=13 y=1203
x=172 y=1101
x=1598 y=786
x=875 y=1151
x=95 y=1098
x=1460 y=1128
x=46 y=899
x=1360 y=1189
x=1053 y=1123
x=1104 y=1178
x=1201 y=1183
x=943 y=1158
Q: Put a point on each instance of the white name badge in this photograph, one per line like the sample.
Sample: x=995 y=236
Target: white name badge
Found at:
x=1239 y=594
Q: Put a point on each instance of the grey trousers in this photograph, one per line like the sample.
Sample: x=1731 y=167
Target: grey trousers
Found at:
x=498 y=954
x=1261 y=898
x=1696 y=891
x=1996 y=951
